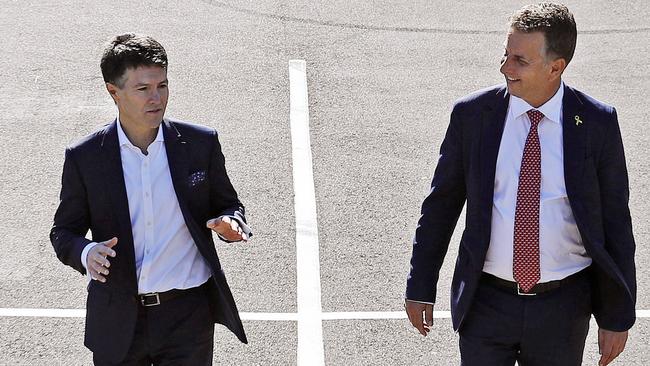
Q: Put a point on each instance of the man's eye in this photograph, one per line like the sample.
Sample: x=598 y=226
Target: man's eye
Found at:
x=142 y=89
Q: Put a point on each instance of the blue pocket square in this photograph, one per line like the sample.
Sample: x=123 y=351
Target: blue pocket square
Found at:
x=196 y=178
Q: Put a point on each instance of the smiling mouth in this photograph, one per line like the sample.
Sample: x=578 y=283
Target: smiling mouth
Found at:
x=511 y=79
x=154 y=111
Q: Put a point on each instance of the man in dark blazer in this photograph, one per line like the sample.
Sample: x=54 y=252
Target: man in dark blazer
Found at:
x=150 y=190
x=548 y=236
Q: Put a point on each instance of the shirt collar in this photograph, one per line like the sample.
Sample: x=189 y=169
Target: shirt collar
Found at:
x=552 y=109
x=124 y=140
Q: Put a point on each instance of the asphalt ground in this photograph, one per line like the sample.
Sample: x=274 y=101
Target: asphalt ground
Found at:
x=382 y=77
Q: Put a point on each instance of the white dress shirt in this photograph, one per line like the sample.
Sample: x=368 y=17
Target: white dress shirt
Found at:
x=561 y=250
x=166 y=256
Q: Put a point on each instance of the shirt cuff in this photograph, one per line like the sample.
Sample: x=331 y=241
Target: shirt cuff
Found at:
x=421 y=302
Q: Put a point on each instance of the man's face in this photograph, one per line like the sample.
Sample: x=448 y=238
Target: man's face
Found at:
x=143 y=97
x=529 y=75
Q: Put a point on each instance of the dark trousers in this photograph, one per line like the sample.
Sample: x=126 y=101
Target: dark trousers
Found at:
x=177 y=332
x=546 y=329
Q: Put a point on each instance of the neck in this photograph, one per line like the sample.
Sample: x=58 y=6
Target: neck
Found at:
x=139 y=136
x=546 y=96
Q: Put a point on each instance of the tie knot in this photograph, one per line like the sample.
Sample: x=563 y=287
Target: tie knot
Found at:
x=535 y=116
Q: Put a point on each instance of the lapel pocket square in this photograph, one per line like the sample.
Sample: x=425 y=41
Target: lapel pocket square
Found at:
x=196 y=178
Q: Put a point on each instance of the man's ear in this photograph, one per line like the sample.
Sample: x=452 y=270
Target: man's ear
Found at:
x=557 y=68
x=112 y=90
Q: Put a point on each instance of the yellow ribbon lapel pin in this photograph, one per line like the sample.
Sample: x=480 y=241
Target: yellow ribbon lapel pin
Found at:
x=578 y=120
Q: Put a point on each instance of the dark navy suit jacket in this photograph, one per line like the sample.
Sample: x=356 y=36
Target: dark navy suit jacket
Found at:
x=597 y=188
x=93 y=197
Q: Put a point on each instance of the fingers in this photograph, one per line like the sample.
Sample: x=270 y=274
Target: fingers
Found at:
x=99 y=258
x=235 y=228
x=227 y=228
x=413 y=318
x=110 y=243
x=213 y=223
x=416 y=321
x=415 y=312
x=605 y=355
x=105 y=251
x=606 y=359
x=219 y=224
x=611 y=344
x=97 y=263
x=97 y=272
x=428 y=315
x=234 y=225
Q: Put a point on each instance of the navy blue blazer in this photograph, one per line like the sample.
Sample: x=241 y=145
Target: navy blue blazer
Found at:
x=597 y=188
x=93 y=197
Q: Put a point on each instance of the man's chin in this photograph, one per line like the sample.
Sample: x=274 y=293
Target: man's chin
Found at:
x=513 y=90
x=154 y=121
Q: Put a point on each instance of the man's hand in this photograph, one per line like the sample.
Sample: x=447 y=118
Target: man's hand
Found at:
x=610 y=344
x=96 y=262
x=228 y=228
x=420 y=315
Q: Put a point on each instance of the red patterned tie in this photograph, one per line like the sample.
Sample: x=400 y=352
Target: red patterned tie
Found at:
x=526 y=240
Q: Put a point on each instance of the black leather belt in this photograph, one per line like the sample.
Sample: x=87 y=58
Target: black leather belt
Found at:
x=540 y=288
x=157 y=298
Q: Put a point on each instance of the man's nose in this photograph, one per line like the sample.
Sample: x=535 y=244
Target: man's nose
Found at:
x=505 y=65
x=154 y=97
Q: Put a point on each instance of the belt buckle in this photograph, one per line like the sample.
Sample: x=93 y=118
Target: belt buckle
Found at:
x=152 y=295
x=521 y=293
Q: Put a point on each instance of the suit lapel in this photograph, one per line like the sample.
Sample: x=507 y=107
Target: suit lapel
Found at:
x=116 y=189
x=574 y=134
x=178 y=160
x=492 y=123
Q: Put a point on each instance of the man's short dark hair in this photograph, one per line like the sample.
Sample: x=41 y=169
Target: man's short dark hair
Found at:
x=555 y=21
x=128 y=51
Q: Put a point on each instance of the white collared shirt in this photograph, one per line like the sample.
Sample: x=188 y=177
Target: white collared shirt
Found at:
x=166 y=256
x=561 y=250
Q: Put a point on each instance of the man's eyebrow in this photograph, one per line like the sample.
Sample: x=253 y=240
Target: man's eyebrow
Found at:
x=166 y=81
x=520 y=57
x=516 y=56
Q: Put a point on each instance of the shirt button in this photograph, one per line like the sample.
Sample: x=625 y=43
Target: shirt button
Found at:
x=148 y=223
x=147 y=251
x=146 y=194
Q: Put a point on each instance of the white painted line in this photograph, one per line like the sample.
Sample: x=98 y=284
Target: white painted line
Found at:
x=310 y=322
x=351 y=315
x=344 y=315
x=81 y=313
x=44 y=313
x=377 y=315
x=269 y=316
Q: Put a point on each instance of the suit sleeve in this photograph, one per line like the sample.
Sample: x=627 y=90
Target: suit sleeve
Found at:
x=72 y=219
x=223 y=197
x=614 y=304
x=439 y=215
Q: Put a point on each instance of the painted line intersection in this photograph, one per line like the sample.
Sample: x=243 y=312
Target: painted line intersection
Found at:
x=309 y=315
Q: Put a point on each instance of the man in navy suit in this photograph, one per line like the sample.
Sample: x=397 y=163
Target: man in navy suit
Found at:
x=150 y=190
x=548 y=236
